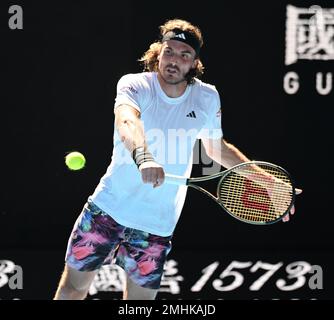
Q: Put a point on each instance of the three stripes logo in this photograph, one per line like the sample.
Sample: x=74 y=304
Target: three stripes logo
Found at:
x=180 y=35
x=191 y=114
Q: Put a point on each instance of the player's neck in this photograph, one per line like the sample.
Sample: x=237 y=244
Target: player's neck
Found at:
x=172 y=90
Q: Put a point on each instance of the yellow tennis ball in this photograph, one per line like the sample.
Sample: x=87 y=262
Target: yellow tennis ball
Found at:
x=75 y=160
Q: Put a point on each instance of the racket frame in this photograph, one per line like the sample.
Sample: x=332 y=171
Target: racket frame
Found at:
x=223 y=174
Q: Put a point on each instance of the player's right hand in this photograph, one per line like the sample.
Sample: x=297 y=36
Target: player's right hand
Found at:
x=152 y=172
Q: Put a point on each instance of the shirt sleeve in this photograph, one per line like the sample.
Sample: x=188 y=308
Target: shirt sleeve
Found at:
x=213 y=127
x=131 y=91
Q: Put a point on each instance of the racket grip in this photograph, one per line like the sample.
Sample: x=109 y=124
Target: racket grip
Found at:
x=178 y=180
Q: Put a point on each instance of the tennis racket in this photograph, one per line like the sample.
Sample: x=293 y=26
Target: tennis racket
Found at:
x=255 y=192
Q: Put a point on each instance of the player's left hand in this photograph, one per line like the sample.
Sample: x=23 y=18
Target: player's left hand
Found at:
x=293 y=209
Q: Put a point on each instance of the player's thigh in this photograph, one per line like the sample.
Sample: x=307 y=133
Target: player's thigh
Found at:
x=77 y=280
x=135 y=292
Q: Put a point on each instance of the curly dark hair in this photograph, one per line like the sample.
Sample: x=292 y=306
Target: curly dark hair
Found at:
x=150 y=57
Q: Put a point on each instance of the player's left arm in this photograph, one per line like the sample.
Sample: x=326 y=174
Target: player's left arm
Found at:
x=223 y=152
x=227 y=155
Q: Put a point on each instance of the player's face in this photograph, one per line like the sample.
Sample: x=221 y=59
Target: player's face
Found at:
x=175 y=60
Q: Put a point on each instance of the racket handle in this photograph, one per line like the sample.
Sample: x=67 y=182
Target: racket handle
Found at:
x=172 y=179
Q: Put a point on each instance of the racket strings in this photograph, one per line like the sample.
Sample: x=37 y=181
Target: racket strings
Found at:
x=256 y=193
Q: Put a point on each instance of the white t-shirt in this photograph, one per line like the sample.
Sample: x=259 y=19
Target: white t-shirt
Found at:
x=171 y=126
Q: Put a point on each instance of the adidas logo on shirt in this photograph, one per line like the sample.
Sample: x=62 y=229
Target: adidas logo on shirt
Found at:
x=192 y=114
x=180 y=35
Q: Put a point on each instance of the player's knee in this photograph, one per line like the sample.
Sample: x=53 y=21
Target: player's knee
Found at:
x=67 y=291
x=72 y=286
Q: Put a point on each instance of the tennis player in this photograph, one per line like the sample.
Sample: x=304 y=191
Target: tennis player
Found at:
x=130 y=218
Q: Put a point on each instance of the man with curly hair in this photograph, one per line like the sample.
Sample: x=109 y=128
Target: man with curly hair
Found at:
x=131 y=216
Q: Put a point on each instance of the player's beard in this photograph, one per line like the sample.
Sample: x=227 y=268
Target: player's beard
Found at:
x=176 y=81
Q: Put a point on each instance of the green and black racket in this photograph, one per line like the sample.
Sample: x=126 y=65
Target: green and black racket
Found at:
x=255 y=192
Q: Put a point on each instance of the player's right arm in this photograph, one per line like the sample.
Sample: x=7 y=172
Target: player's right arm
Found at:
x=131 y=132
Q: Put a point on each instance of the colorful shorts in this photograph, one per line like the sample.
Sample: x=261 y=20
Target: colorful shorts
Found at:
x=97 y=239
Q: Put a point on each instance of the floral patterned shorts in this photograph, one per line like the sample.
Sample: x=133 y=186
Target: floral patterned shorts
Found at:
x=97 y=239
